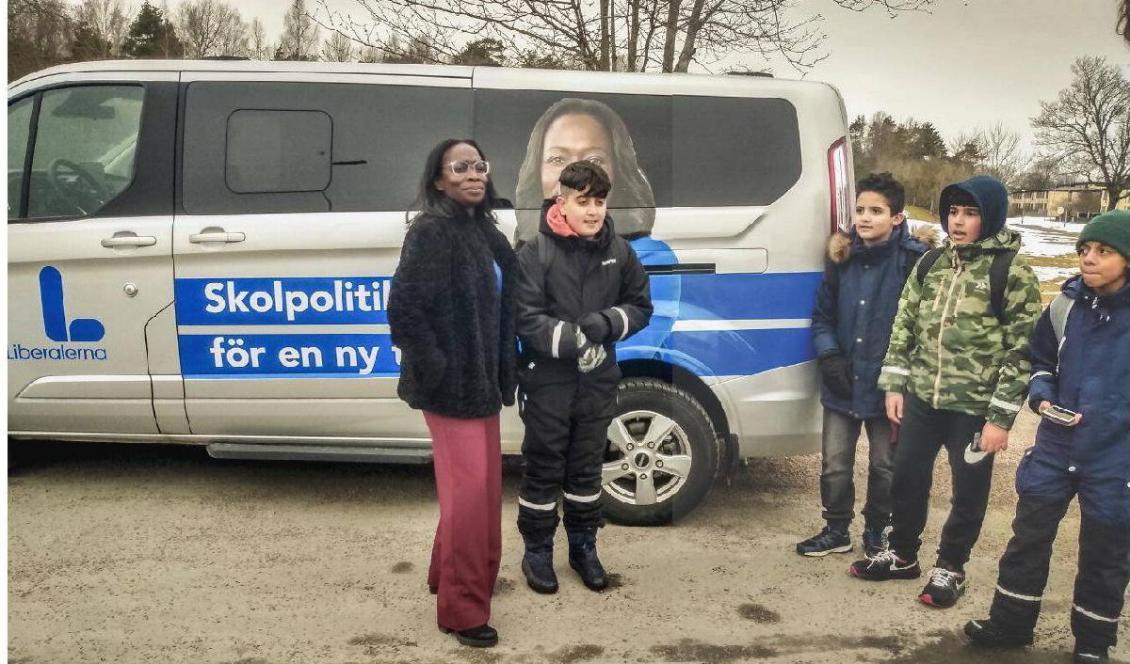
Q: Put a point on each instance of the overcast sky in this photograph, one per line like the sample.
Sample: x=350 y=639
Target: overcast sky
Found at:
x=966 y=64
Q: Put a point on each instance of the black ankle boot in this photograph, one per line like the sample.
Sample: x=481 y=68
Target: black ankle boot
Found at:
x=537 y=565
x=483 y=636
x=583 y=559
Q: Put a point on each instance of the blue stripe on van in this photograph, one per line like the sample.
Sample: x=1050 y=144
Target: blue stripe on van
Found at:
x=789 y=295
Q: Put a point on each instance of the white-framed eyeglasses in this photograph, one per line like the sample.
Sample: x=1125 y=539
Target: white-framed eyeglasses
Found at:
x=462 y=167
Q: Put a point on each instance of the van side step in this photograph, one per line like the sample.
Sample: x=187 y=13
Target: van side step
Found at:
x=346 y=453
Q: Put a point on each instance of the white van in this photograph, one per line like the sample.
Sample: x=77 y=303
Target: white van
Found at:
x=200 y=252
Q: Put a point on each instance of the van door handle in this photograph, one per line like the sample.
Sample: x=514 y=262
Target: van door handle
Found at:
x=216 y=236
x=128 y=241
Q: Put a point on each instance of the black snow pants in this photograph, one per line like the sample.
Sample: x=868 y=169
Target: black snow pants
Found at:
x=566 y=414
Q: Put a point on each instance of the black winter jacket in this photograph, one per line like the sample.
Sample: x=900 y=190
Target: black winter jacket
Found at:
x=454 y=329
x=598 y=285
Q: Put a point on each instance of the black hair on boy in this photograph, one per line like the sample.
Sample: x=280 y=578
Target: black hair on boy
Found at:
x=587 y=177
x=886 y=185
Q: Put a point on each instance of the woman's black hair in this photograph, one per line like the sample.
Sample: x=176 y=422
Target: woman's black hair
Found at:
x=631 y=197
x=432 y=201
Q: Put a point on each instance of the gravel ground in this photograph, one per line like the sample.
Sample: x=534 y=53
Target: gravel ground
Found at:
x=123 y=553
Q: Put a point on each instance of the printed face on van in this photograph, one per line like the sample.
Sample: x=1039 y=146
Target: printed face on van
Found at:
x=583 y=213
x=575 y=129
x=569 y=138
x=874 y=220
x=1103 y=268
x=467 y=188
x=964 y=224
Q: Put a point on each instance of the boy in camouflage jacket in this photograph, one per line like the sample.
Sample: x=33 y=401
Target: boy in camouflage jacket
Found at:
x=956 y=372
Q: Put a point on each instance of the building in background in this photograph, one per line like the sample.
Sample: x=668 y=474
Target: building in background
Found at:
x=1067 y=203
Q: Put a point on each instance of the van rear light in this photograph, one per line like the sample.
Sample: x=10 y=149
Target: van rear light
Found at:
x=839 y=184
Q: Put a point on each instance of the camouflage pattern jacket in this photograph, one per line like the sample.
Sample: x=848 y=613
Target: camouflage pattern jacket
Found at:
x=947 y=346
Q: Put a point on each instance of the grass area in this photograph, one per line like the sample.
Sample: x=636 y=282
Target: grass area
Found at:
x=922 y=214
x=1066 y=260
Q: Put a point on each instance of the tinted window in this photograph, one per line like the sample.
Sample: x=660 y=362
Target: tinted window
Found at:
x=84 y=149
x=378 y=139
x=19 y=128
x=278 y=151
x=660 y=151
x=733 y=151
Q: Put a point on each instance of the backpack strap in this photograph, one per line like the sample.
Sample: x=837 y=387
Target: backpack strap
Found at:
x=998 y=282
x=926 y=263
x=546 y=252
x=1059 y=310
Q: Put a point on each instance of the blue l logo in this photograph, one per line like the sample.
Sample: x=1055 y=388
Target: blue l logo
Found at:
x=55 y=319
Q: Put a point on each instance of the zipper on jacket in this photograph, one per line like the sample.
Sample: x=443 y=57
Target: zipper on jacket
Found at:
x=942 y=324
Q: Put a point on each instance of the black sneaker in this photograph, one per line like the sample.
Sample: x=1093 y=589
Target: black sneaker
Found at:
x=1085 y=655
x=943 y=589
x=884 y=566
x=829 y=540
x=986 y=634
x=874 y=541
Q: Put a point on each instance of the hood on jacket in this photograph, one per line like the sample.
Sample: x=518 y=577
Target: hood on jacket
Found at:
x=1004 y=240
x=991 y=196
x=603 y=236
x=923 y=238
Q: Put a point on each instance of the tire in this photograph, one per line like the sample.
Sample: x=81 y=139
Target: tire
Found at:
x=639 y=457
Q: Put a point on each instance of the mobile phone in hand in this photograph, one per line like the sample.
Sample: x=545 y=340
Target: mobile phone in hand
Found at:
x=1059 y=415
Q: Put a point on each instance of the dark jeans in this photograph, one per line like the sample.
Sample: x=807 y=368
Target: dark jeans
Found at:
x=1100 y=583
x=925 y=431
x=837 y=474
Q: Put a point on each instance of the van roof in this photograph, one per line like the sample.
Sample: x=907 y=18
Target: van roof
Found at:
x=438 y=71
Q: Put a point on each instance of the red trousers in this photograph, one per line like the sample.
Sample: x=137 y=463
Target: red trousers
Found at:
x=468 y=543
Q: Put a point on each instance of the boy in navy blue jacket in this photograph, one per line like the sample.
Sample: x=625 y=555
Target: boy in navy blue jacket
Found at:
x=863 y=278
x=1080 y=362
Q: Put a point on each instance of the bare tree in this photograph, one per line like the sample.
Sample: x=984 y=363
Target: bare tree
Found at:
x=338 y=48
x=101 y=28
x=258 y=48
x=39 y=35
x=633 y=35
x=301 y=35
x=210 y=28
x=1088 y=126
x=1001 y=154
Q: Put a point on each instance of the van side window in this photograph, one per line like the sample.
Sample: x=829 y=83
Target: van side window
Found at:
x=264 y=147
x=733 y=150
x=19 y=130
x=278 y=151
x=85 y=143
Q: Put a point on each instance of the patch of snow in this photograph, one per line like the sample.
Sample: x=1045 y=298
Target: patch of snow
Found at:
x=1045 y=237
x=1047 y=274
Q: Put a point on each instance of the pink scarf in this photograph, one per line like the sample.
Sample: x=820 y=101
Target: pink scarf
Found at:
x=556 y=219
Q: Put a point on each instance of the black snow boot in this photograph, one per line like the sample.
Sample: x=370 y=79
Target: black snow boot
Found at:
x=537 y=564
x=583 y=559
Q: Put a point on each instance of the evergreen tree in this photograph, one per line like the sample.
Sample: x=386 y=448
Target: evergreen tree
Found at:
x=151 y=35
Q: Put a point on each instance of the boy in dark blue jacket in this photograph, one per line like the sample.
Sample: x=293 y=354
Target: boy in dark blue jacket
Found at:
x=1080 y=362
x=863 y=278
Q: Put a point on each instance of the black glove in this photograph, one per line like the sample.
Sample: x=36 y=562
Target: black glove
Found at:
x=596 y=327
x=836 y=372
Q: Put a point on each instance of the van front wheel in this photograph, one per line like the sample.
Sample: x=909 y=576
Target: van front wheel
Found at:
x=662 y=456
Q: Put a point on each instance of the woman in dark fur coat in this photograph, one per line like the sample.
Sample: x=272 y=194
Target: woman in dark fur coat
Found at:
x=451 y=309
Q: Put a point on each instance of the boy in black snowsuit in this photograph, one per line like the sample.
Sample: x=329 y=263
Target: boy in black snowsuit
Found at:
x=581 y=289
